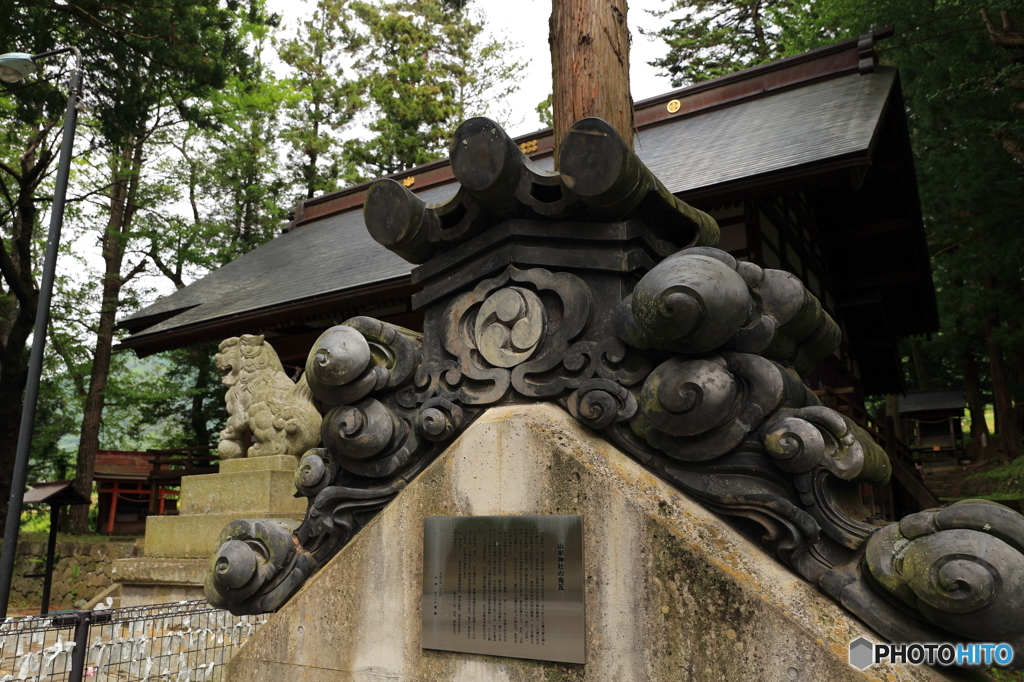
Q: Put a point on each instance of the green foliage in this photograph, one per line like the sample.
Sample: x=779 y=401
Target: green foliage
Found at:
x=961 y=89
x=184 y=406
x=173 y=399
x=325 y=100
x=425 y=68
x=229 y=176
x=180 y=168
x=157 y=54
x=51 y=459
x=710 y=38
x=35 y=520
x=409 y=70
x=547 y=118
x=1000 y=483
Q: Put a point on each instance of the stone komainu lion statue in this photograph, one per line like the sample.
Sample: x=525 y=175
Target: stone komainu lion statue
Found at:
x=262 y=399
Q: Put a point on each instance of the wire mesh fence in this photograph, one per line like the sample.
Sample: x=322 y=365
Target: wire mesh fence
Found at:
x=180 y=642
x=37 y=648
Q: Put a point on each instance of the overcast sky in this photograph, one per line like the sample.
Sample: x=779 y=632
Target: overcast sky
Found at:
x=526 y=22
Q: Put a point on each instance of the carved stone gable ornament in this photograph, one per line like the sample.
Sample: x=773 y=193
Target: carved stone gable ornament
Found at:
x=598 y=289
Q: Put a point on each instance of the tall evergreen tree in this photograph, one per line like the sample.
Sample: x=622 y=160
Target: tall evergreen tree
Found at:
x=1007 y=35
x=147 y=66
x=326 y=99
x=710 y=38
x=30 y=124
x=226 y=170
x=425 y=67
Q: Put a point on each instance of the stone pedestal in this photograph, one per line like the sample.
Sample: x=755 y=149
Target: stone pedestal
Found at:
x=672 y=592
x=248 y=488
x=159 y=581
x=178 y=548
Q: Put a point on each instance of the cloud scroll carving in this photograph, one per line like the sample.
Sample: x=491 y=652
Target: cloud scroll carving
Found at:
x=596 y=289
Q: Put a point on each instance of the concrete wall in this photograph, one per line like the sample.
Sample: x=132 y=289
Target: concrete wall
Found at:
x=672 y=592
x=81 y=570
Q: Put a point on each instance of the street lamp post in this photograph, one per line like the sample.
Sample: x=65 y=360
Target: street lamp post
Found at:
x=13 y=67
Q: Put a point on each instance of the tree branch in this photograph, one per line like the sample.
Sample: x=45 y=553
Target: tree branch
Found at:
x=26 y=297
x=139 y=268
x=1005 y=38
x=10 y=171
x=72 y=200
x=172 y=275
x=952 y=246
x=1010 y=144
x=108 y=27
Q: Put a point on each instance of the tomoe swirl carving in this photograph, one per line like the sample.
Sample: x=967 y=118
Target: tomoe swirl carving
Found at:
x=603 y=293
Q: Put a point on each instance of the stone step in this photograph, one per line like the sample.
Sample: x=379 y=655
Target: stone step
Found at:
x=940 y=470
x=159 y=581
x=196 y=536
x=271 y=490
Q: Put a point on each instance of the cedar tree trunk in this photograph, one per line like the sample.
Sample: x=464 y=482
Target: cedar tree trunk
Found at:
x=590 y=65
x=1006 y=424
x=125 y=170
x=1005 y=418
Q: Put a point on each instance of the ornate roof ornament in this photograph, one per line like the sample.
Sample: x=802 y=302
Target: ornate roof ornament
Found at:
x=596 y=288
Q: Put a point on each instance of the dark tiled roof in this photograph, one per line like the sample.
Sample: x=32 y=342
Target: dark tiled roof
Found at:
x=332 y=254
x=790 y=129
x=831 y=121
x=335 y=253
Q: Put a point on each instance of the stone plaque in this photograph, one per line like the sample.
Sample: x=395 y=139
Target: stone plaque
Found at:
x=504 y=586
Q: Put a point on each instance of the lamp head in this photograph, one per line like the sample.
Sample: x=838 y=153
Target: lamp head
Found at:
x=15 y=65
